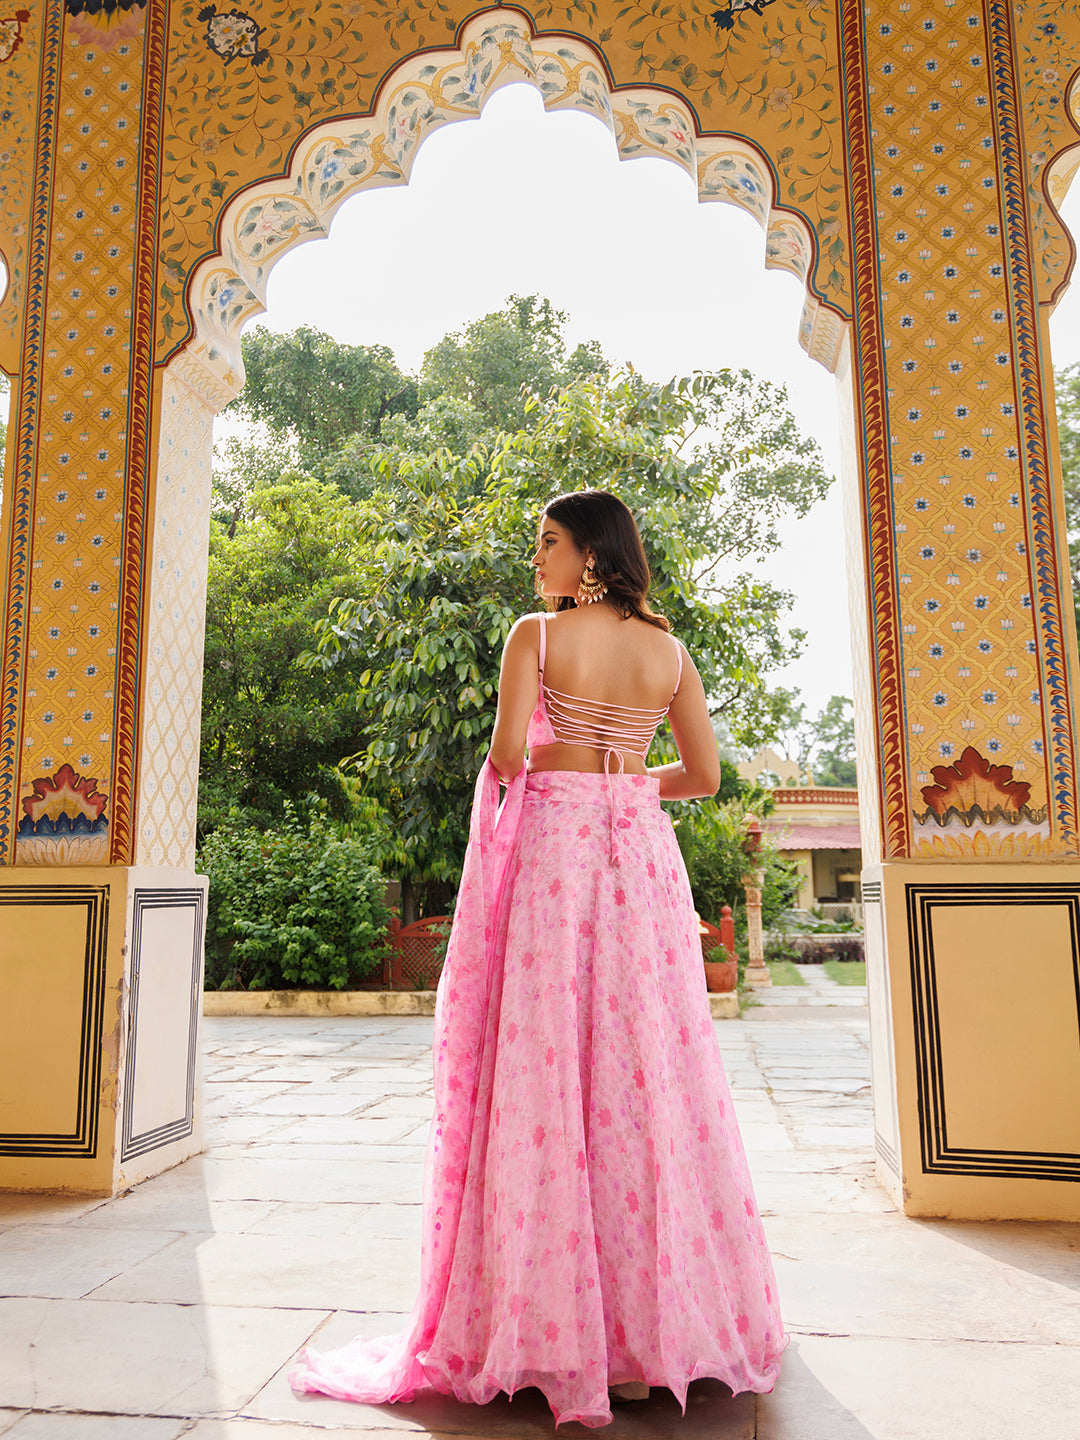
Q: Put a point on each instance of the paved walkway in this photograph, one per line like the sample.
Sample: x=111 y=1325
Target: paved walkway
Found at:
x=176 y=1309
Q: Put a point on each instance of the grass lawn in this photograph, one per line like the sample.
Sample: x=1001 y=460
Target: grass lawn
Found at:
x=847 y=972
x=783 y=972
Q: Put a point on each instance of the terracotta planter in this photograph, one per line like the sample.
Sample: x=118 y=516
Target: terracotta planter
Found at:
x=721 y=976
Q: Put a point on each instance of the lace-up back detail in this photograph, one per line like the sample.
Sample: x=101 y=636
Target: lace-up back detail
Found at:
x=614 y=729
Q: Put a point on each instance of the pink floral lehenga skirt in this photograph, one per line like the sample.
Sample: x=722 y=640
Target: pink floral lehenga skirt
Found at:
x=588 y=1213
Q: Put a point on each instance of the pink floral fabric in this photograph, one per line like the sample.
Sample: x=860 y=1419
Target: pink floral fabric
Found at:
x=589 y=1217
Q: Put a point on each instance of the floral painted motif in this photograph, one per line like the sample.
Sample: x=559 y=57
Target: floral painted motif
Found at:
x=63 y=821
x=233 y=35
x=764 y=86
x=973 y=789
x=105 y=23
x=1050 y=56
x=724 y=19
x=11 y=33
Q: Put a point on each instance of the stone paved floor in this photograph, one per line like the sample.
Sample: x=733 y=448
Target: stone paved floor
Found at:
x=175 y=1310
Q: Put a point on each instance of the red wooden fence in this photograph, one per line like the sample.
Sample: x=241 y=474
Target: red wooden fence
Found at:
x=416 y=952
x=717 y=939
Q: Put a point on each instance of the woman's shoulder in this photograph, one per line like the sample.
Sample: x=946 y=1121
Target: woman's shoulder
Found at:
x=525 y=631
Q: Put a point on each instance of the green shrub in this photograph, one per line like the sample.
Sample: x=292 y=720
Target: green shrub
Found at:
x=710 y=836
x=782 y=947
x=816 y=952
x=297 y=906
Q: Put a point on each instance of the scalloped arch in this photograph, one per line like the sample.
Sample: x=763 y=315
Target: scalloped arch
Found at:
x=337 y=160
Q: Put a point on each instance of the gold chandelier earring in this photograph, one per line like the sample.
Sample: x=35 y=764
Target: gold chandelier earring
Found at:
x=590 y=588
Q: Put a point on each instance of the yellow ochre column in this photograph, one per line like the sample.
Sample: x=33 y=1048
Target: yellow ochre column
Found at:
x=973 y=910
x=101 y=958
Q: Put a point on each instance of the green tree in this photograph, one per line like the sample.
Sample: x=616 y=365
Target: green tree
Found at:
x=272 y=729
x=832 y=755
x=710 y=835
x=245 y=463
x=709 y=464
x=319 y=390
x=496 y=362
x=453 y=575
x=447 y=580
x=824 y=746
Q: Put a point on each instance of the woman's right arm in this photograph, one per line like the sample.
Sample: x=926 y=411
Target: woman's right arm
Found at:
x=696 y=773
x=519 y=688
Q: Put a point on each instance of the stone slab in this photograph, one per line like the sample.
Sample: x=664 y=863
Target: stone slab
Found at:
x=315 y=1272
x=890 y=1276
x=142 y=1359
x=57 y=1263
x=834 y=1388
x=61 y=1425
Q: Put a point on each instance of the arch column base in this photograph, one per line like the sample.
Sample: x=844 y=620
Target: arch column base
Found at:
x=973 y=983
x=102 y=972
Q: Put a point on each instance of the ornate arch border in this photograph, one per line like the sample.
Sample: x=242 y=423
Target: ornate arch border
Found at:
x=339 y=159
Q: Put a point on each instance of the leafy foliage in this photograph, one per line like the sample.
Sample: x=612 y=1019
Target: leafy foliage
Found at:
x=272 y=730
x=318 y=389
x=708 y=464
x=299 y=905
x=428 y=635
x=710 y=835
x=497 y=362
x=452 y=570
x=397 y=573
x=824 y=746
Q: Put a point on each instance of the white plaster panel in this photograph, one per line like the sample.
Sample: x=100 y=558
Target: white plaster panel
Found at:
x=175 y=618
x=158 y=1086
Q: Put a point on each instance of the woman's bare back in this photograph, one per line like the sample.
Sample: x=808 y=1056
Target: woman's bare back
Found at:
x=594 y=655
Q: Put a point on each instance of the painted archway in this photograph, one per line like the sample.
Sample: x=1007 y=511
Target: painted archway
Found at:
x=904 y=163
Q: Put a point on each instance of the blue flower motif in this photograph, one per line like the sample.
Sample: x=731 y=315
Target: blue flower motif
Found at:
x=993 y=746
x=940 y=699
x=945 y=749
x=1037 y=746
x=985 y=647
x=330 y=169
x=981 y=602
x=989 y=697
x=927 y=552
x=935 y=652
x=930 y=606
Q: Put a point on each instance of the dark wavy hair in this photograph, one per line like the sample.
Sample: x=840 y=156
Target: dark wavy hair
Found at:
x=600 y=522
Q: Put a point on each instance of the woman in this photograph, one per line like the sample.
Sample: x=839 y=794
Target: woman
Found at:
x=589 y=1222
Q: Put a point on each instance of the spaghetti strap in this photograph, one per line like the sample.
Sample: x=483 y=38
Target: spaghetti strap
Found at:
x=678 y=673
x=543 y=645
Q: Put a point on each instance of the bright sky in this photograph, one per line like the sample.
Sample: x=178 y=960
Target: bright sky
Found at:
x=522 y=201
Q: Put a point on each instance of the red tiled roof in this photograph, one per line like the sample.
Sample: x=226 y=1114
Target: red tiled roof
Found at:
x=786 y=835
